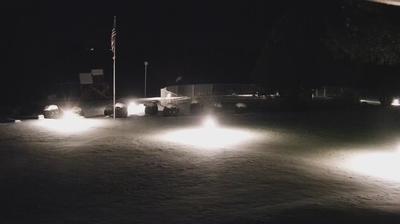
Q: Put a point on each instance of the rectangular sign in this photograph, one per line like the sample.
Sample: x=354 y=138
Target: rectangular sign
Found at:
x=96 y=72
x=86 y=78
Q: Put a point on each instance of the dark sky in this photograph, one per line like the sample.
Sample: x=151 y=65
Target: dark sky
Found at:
x=198 y=40
x=201 y=43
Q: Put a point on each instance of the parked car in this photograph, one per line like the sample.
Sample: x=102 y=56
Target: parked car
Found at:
x=121 y=110
x=170 y=110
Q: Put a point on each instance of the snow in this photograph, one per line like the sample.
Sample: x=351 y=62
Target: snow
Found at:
x=292 y=168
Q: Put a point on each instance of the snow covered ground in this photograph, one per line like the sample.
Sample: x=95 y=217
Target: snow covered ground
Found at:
x=326 y=167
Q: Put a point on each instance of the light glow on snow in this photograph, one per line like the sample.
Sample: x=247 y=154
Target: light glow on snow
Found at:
x=209 y=122
x=68 y=125
x=384 y=165
x=210 y=135
x=206 y=137
x=136 y=109
x=389 y=2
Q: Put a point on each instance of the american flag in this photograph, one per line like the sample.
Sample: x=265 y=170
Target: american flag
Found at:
x=113 y=37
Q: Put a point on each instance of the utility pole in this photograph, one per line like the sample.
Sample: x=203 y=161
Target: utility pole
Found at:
x=146 y=63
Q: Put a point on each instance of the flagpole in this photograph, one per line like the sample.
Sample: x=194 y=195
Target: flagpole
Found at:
x=114 y=58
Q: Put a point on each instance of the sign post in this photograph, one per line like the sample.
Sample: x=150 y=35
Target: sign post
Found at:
x=113 y=48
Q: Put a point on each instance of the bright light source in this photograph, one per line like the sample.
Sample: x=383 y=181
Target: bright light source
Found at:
x=385 y=165
x=209 y=122
x=136 y=109
x=120 y=105
x=70 y=115
x=70 y=122
x=51 y=107
x=396 y=102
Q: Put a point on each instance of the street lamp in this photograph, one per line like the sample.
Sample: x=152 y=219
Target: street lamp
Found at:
x=146 y=63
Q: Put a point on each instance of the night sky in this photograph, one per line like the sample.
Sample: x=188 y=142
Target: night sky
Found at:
x=264 y=42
